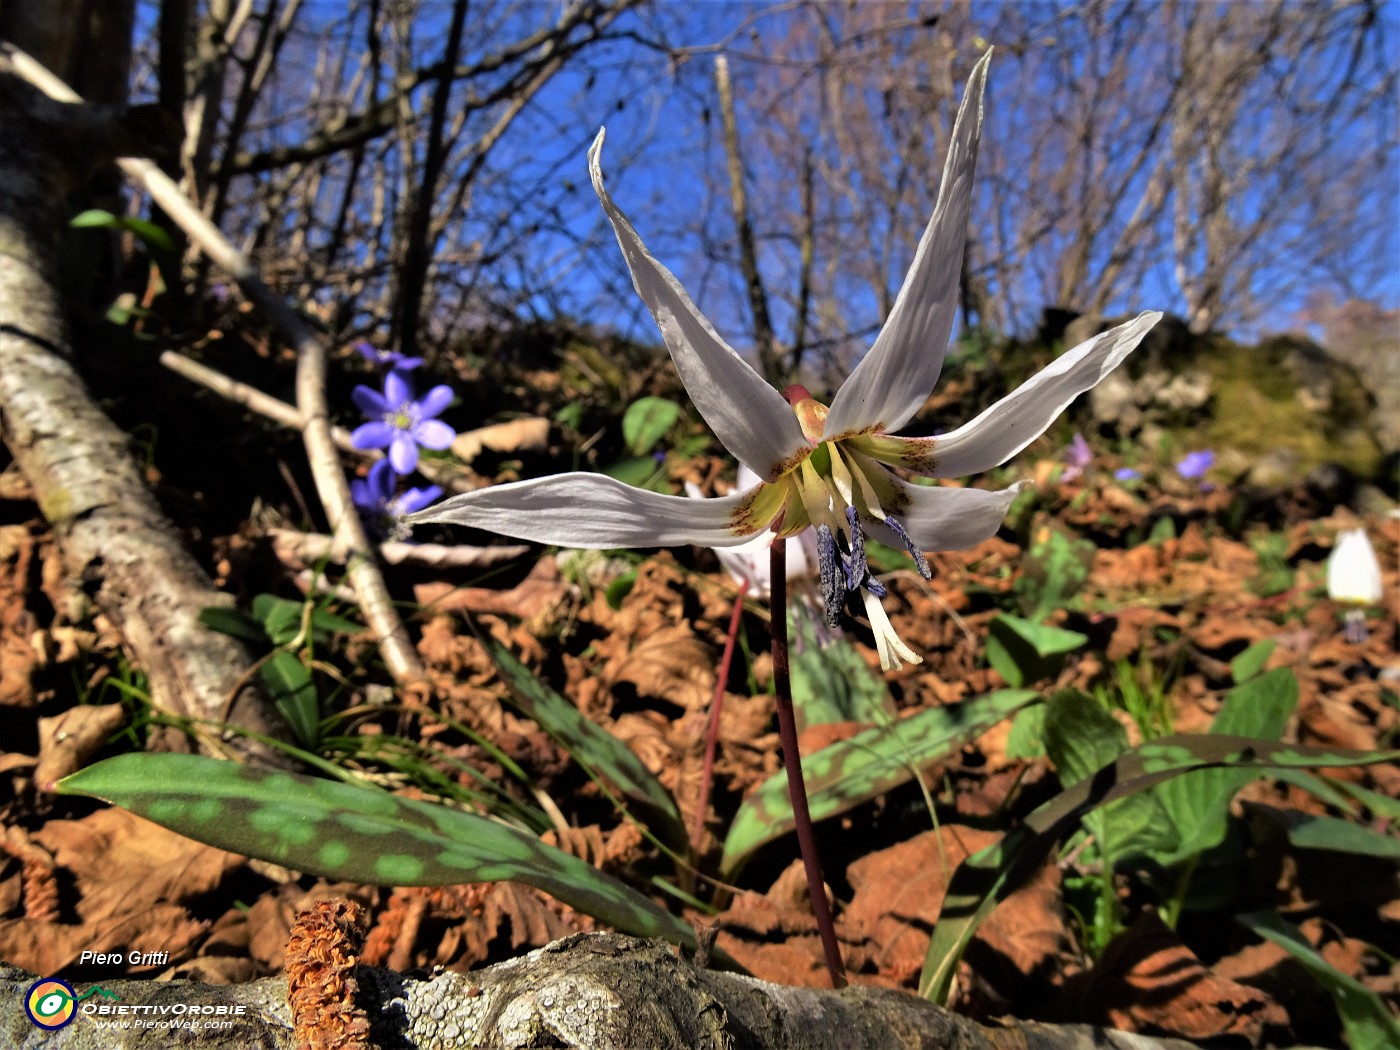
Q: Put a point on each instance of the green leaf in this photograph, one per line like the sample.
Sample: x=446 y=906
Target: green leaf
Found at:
x=1313 y=831
x=1052 y=573
x=646 y=421
x=985 y=879
x=1250 y=662
x=619 y=589
x=359 y=834
x=641 y=472
x=1022 y=651
x=1081 y=738
x=1027 y=736
x=593 y=747
x=232 y=622
x=851 y=771
x=288 y=682
x=151 y=235
x=1197 y=805
x=834 y=683
x=280 y=617
x=1367 y=1022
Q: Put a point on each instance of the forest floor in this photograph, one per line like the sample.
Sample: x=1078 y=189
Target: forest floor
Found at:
x=1169 y=580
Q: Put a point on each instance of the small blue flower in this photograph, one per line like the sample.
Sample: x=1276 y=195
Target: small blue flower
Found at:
x=382 y=511
x=390 y=359
x=401 y=424
x=1196 y=463
x=1077 y=458
x=1127 y=474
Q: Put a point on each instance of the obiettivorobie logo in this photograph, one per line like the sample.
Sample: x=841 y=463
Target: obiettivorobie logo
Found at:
x=51 y=1003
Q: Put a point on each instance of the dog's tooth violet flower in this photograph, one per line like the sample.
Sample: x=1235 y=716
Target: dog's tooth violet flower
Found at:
x=401 y=424
x=1354 y=579
x=822 y=467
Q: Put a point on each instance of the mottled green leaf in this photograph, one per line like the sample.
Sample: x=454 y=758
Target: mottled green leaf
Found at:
x=357 y=833
x=834 y=683
x=646 y=421
x=985 y=879
x=1053 y=571
x=872 y=762
x=1367 y=1022
x=592 y=746
x=1316 y=831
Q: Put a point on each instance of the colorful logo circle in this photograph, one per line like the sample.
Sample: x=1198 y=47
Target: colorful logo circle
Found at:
x=51 y=1003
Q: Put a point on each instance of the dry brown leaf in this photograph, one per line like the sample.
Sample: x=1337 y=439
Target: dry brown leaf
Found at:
x=671 y=665
x=516 y=435
x=69 y=739
x=1149 y=981
x=539 y=592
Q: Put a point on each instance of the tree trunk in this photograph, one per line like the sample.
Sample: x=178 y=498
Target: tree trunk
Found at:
x=118 y=548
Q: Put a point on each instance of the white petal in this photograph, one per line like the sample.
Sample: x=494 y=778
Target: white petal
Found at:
x=1353 y=572
x=949 y=519
x=1025 y=413
x=750 y=418
x=895 y=377
x=591 y=511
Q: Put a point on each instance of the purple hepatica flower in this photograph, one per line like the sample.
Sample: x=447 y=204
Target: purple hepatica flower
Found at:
x=383 y=511
x=390 y=359
x=1196 y=463
x=1127 y=474
x=1077 y=457
x=401 y=424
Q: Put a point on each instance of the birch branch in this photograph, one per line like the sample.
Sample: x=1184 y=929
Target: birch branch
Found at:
x=365 y=577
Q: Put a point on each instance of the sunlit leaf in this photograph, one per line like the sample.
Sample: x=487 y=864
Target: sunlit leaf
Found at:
x=985 y=879
x=1317 y=831
x=1250 y=662
x=1081 y=738
x=872 y=762
x=1022 y=651
x=1198 y=804
x=646 y=421
x=358 y=834
x=1367 y=1022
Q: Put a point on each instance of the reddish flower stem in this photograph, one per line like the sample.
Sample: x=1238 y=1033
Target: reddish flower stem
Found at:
x=707 y=774
x=792 y=762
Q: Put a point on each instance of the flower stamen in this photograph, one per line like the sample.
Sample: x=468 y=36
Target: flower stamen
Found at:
x=920 y=562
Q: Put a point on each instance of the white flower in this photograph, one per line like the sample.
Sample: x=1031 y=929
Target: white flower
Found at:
x=824 y=468
x=1353 y=573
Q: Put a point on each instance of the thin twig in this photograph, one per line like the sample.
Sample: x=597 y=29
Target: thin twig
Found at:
x=792 y=762
x=363 y=571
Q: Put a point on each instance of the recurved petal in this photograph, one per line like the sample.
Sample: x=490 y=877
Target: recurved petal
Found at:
x=591 y=511
x=750 y=418
x=1025 y=413
x=894 y=379
x=949 y=519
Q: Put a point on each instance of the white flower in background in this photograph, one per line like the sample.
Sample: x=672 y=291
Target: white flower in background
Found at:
x=749 y=563
x=825 y=468
x=1354 y=578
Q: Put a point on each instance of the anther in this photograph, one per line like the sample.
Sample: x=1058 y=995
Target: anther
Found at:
x=828 y=565
x=860 y=569
x=920 y=562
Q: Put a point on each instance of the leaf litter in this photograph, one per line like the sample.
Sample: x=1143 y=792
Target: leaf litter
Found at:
x=1190 y=600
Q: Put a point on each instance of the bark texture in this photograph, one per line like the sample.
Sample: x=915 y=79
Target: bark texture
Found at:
x=119 y=549
x=585 y=992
